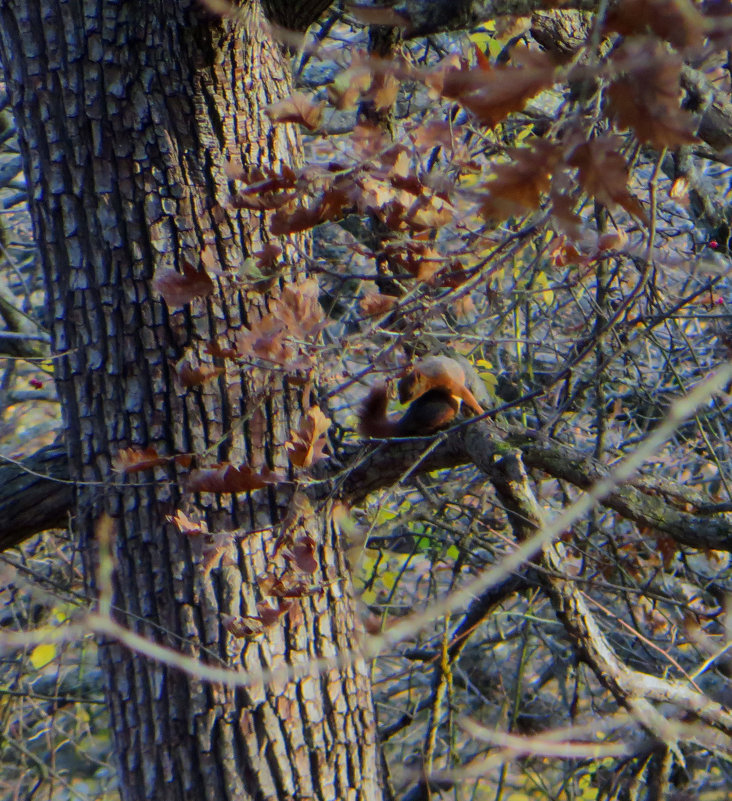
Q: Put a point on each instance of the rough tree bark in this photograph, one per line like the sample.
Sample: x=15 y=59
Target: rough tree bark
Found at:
x=128 y=113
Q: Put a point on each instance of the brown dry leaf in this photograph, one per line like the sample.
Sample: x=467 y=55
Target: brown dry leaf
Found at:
x=209 y=258
x=262 y=201
x=307 y=444
x=217 y=551
x=368 y=141
x=395 y=160
x=613 y=240
x=348 y=86
x=668 y=548
x=303 y=554
x=646 y=95
x=676 y=21
x=453 y=274
x=491 y=95
x=429 y=212
x=299 y=310
x=329 y=206
x=243 y=626
x=299 y=108
x=234 y=170
x=133 y=460
x=383 y=92
x=286 y=586
x=195 y=376
x=266 y=340
x=266 y=189
x=227 y=478
x=220 y=353
x=482 y=59
x=419 y=258
x=183 y=459
x=435 y=133
x=185 y=525
x=266 y=258
x=177 y=289
x=375 y=192
x=603 y=173
x=408 y=183
x=265 y=180
x=464 y=308
x=268 y=614
x=564 y=216
x=561 y=252
x=517 y=187
x=374 y=304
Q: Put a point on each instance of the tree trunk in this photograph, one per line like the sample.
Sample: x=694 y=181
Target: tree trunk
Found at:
x=128 y=114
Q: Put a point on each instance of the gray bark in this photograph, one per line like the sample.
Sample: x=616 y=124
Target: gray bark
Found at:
x=127 y=114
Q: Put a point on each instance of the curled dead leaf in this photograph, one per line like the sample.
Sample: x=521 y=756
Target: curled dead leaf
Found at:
x=185 y=525
x=298 y=107
x=227 y=478
x=373 y=304
x=133 y=460
x=302 y=553
x=288 y=585
x=307 y=444
x=177 y=289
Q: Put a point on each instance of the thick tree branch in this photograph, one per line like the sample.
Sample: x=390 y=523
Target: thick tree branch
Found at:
x=647 y=501
x=35 y=495
x=564 y=32
x=294 y=16
x=561 y=32
x=644 y=502
x=364 y=469
x=440 y=16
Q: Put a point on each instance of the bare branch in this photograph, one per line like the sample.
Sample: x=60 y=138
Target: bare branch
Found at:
x=631 y=688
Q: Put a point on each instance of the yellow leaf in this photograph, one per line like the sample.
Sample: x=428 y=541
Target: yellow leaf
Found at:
x=42 y=654
x=490 y=381
x=483 y=35
x=384 y=516
x=388 y=579
x=369 y=596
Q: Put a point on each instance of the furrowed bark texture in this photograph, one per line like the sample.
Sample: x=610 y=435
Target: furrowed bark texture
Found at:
x=127 y=114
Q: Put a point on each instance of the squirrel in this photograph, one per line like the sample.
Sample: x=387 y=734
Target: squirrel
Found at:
x=436 y=388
